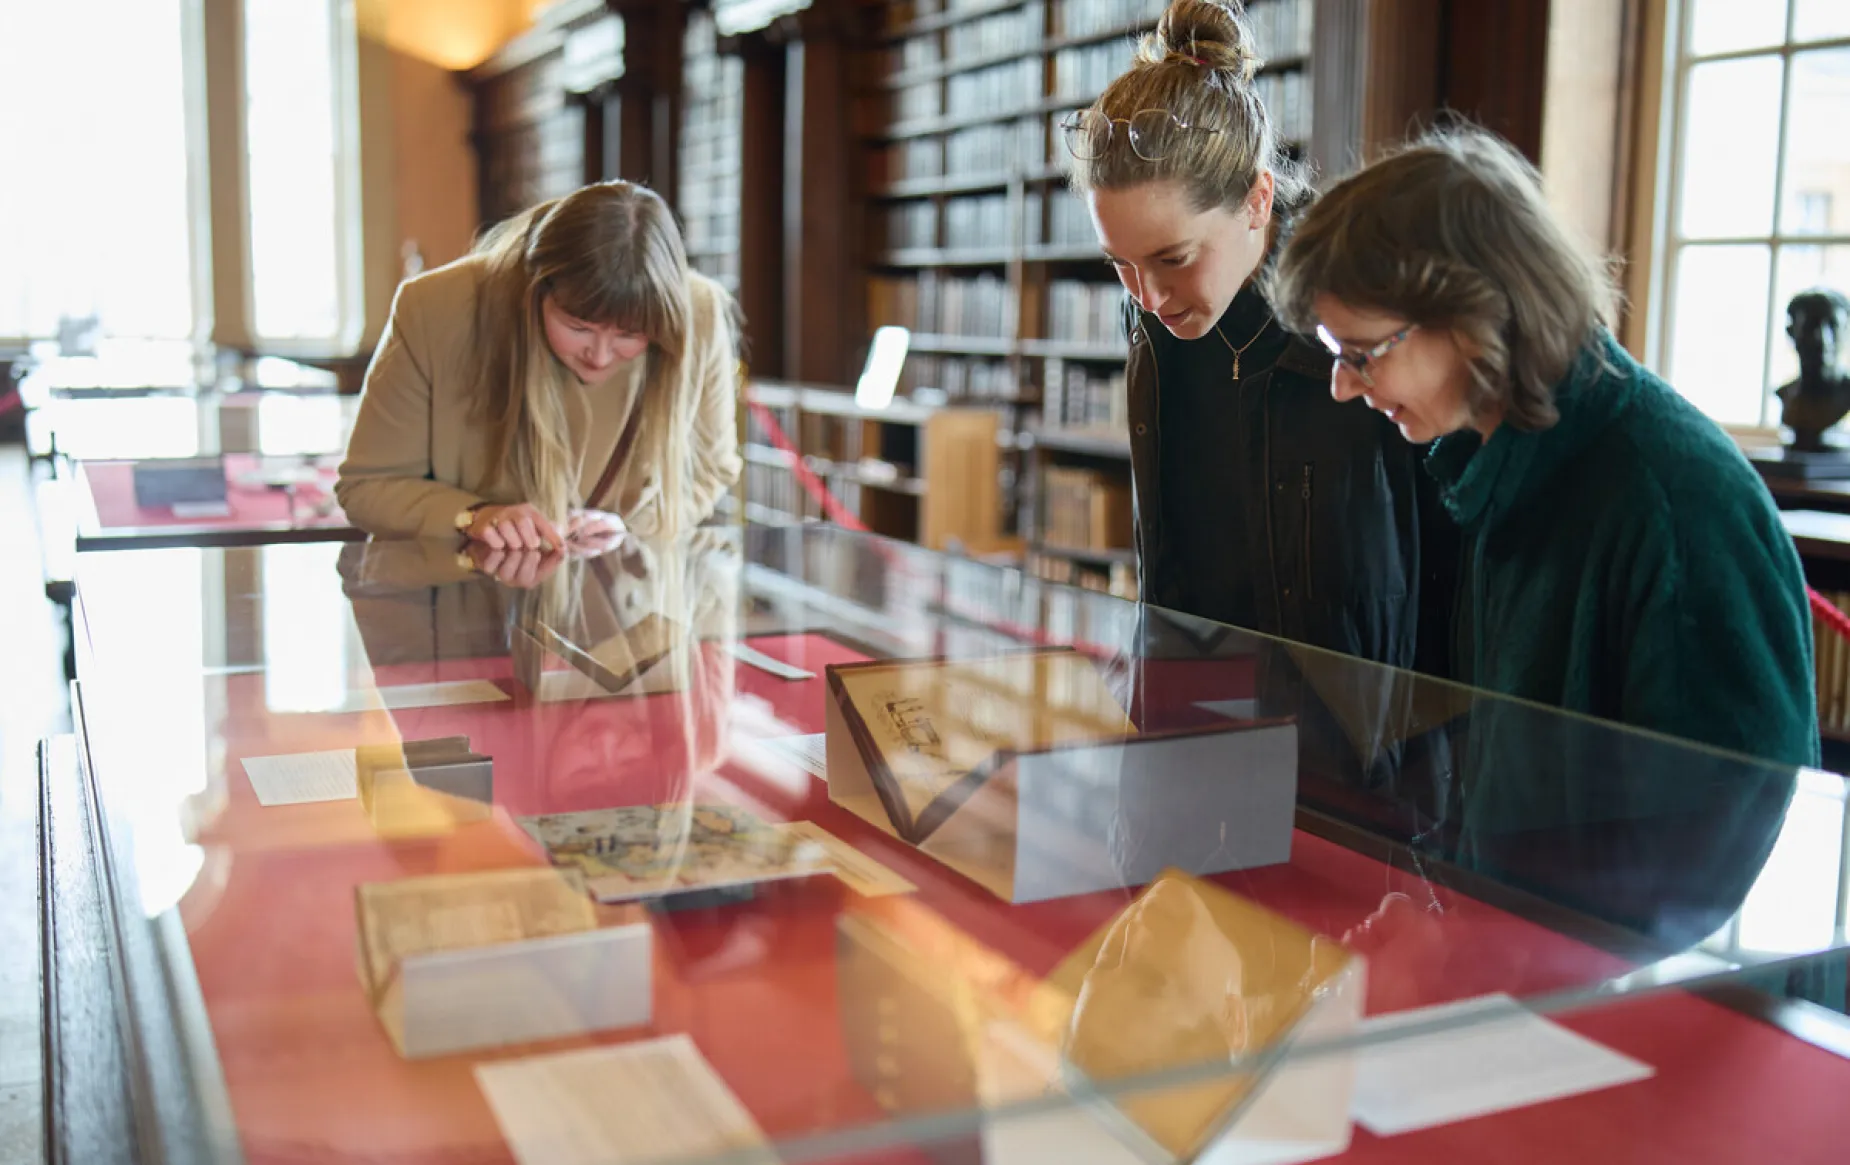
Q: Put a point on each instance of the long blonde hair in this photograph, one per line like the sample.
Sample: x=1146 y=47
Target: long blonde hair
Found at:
x=608 y=254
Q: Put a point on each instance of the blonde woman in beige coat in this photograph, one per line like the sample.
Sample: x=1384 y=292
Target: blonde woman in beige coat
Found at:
x=568 y=380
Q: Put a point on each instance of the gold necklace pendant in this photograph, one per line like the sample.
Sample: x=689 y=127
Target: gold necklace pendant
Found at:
x=1243 y=347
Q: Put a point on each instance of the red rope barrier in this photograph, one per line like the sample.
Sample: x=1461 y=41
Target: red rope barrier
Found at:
x=1825 y=612
x=812 y=485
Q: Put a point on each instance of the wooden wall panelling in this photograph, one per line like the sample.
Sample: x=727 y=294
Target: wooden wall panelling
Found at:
x=1586 y=130
x=666 y=51
x=651 y=91
x=963 y=506
x=635 y=131
x=1403 y=45
x=596 y=133
x=224 y=39
x=1496 y=67
x=822 y=312
x=761 y=203
x=1377 y=73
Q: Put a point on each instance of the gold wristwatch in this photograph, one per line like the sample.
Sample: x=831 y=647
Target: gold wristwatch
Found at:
x=466 y=518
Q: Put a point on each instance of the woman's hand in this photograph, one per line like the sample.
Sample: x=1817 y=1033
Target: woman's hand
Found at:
x=518 y=568
x=516 y=527
x=593 y=531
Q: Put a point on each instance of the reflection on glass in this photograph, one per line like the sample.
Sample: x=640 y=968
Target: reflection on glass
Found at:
x=1820 y=20
x=288 y=425
x=154 y=746
x=292 y=156
x=1459 y=843
x=118 y=363
x=1817 y=176
x=1725 y=26
x=276 y=372
x=1718 y=338
x=1730 y=149
x=1784 y=913
x=304 y=628
x=128 y=428
x=1801 y=269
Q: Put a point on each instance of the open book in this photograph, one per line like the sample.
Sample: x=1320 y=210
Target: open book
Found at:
x=648 y=851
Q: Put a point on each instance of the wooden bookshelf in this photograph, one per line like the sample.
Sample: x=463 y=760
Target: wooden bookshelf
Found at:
x=925 y=474
x=1077 y=498
x=957 y=113
x=536 y=106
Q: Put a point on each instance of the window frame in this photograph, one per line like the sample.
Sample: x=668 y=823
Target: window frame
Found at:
x=1670 y=242
x=349 y=205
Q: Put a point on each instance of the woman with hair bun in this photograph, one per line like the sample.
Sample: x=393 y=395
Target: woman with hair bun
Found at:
x=1259 y=502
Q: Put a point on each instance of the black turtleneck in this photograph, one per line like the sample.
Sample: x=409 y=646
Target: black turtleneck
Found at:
x=1202 y=412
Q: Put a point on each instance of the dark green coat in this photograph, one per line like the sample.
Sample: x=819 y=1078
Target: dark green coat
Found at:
x=1629 y=563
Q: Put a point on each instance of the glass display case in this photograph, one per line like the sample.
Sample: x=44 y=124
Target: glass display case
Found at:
x=800 y=844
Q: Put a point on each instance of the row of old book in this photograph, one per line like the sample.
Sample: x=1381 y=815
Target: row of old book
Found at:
x=1084 y=396
x=1078 y=311
x=960 y=378
x=1085 y=312
x=1832 y=658
x=1086 y=509
x=1000 y=90
x=1117 y=579
x=984 y=221
x=960 y=306
x=979 y=149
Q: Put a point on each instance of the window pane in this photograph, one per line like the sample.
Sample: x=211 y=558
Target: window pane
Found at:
x=1730 y=149
x=1801 y=269
x=1726 y=26
x=1817 y=196
x=1718 y=330
x=97 y=212
x=1821 y=20
x=291 y=159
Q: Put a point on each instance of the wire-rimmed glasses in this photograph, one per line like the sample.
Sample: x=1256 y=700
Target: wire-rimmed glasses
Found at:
x=1152 y=133
x=1358 y=359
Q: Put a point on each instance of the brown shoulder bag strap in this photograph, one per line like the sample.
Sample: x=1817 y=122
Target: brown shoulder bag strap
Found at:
x=617 y=456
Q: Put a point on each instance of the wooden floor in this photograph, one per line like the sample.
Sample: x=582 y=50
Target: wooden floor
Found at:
x=32 y=704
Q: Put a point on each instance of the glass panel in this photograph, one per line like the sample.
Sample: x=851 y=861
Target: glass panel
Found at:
x=971 y=913
x=305 y=623
x=1717 y=330
x=1727 y=26
x=99 y=224
x=1817 y=179
x=1730 y=149
x=1821 y=20
x=292 y=161
x=1801 y=269
x=1774 y=920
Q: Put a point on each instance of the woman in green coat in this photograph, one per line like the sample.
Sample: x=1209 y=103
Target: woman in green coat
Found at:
x=1620 y=558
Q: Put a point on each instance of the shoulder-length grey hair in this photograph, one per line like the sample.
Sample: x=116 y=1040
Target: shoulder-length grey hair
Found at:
x=1452 y=232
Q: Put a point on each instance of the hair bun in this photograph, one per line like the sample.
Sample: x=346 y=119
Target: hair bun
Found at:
x=1209 y=33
